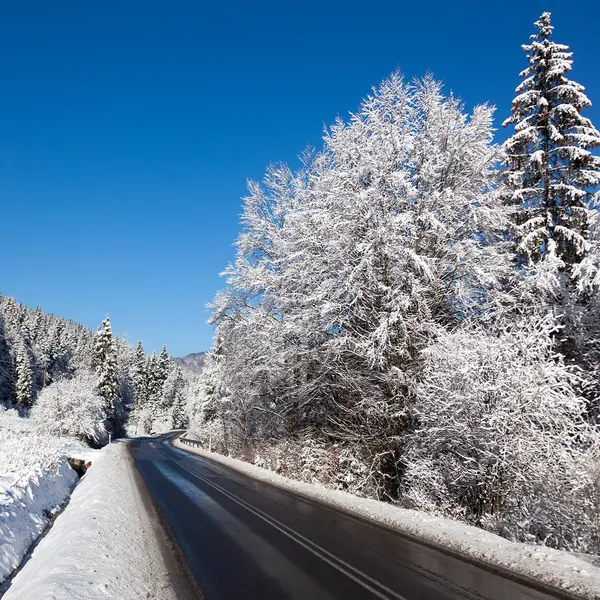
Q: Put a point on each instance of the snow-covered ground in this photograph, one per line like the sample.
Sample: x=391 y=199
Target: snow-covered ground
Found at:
x=556 y=568
x=102 y=546
x=35 y=480
x=26 y=506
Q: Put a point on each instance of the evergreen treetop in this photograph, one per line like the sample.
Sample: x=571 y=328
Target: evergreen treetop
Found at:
x=551 y=172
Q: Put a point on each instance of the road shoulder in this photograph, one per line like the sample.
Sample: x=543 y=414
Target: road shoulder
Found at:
x=182 y=581
x=107 y=542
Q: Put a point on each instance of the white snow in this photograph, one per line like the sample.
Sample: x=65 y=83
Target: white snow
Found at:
x=26 y=506
x=35 y=480
x=102 y=546
x=562 y=570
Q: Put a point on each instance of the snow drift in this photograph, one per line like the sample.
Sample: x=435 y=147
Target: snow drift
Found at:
x=27 y=504
x=35 y=480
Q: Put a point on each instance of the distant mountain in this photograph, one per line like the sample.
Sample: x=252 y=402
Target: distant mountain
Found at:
x=192 y=362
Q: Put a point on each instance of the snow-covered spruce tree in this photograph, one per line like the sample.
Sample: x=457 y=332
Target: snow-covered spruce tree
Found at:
x=140 y=383
x=550 y=169
x=23 y=371
x=7 y=367
x=154 y=388
x=163 y=366
x=105 y=363
x=159 y=396
x=125 y=384
x=209 y=408
x=158 y=368
x=140 y=374
x=179 y=418
x=551 y=176
x=171 y=388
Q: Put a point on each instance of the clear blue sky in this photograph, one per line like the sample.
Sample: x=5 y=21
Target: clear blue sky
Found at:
x=128 y=129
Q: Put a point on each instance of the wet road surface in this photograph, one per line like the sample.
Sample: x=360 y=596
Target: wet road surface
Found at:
x=244 y=539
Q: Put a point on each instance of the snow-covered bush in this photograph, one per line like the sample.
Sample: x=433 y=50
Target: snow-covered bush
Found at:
x=22 y=448
x=302 y=459
x=500 y=440
x=309 y=459
x=73 y=407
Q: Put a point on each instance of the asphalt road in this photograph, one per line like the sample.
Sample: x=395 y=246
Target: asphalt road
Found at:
x=243 y=539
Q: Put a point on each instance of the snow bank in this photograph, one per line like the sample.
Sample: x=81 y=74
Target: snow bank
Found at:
x=35 y=480
x=556 y=568
x=102 y=546
x=26 y=506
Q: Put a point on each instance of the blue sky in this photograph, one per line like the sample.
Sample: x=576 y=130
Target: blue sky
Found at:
x=128 y=129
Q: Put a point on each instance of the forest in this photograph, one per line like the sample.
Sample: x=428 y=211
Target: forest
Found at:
x=87 y=385
x=413 y=314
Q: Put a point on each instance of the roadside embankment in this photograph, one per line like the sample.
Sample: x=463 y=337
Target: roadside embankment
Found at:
x=35 y=481
x=103 y=545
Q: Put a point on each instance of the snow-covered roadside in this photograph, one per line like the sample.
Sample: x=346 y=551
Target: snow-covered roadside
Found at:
x=556 y=568
x=26 y=506
x=35 y=480
x=102 y=546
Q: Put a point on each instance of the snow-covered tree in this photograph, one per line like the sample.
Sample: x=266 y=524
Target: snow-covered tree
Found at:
x=500 y=439
x=551 y=177
x=73 y=407
x=163 y=366
x=171 y=388
x=140 y=382
x=345 y=269
x=105 y=364
x=7 y=366
x=158 y=368
x=140 y=374
x=551 y=172
x=160 y=385
x=209 y=409
x=23 y=371
x=179 y=417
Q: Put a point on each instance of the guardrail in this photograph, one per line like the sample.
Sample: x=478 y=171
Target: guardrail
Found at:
x=191 y=442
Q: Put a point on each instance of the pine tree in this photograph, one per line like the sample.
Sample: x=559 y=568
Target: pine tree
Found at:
x=105 y=363
x=158 y=368
x=151 y=381
x=163 y=366
x=23 y=385
x=37 y=323
x=550 y=170
x=179 y=419
x=140 y=377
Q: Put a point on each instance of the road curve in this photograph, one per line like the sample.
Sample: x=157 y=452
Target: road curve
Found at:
x=244 y=539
